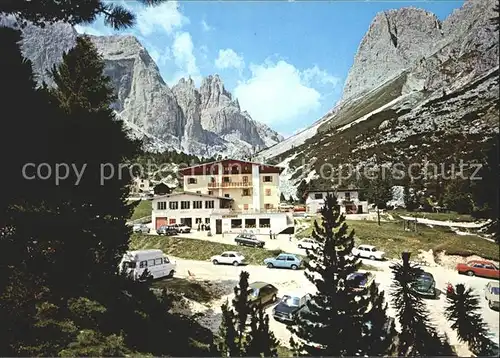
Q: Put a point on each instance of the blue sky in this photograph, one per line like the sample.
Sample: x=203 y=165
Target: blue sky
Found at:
x=285 y=61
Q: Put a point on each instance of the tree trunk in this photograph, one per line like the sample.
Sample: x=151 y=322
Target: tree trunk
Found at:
x=378 y=216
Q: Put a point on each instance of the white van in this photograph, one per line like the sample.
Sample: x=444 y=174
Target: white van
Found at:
x=155 y=261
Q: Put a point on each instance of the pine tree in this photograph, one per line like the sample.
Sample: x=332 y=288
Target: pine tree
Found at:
x=71 y=11
x=234 y=339
x=301 y=190
x=380 y=338
x=335 y=310
x=290 y=200
x=282 y=198
x=379 y=191
x=260 y=341
x=418 y=336
x=462 y=310
x=227 y=335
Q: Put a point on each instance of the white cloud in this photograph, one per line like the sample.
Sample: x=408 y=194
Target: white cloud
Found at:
x=182 y=52
x=164 y=17
x=229 y=59
x=315 y=75
x=276 y=92
x=205 y=26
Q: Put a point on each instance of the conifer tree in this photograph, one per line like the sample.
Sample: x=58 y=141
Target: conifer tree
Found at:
x=234 y=338
x=71 y=11
x=418 y=336
x=463 y=311
x=227 y=335
x=260 y=341
x=336 y=319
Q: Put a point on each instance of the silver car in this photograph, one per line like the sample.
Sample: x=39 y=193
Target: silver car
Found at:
x=492 y=294
x=141 y=228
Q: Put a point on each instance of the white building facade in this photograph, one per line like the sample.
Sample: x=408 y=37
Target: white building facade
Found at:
x=347 y=199
x=230 y=196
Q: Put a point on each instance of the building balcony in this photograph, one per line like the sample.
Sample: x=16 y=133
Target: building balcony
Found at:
x=250 y=211
x=238 y=184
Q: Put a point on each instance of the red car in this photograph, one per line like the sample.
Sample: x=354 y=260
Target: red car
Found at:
x=479 y=268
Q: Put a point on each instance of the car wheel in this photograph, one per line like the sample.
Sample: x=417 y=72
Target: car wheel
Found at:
x=372 y=257
x=299 y=246
x=490 y=305
x=270 y=265
x=470 y=273
x=215 y=262
x=171 y=273
x=235 y=263
x=294 y=267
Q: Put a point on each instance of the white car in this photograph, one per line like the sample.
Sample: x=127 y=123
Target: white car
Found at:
x=229 y=257
x=492 y=294
x=368 y=252
x=307 y=244
x=141 y=228
x=181 y=228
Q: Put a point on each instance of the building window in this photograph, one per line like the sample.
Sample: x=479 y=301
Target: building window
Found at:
x=268 y=192
x=236 y=223
x=347 y=196
x=198 y=192
x=161 y=205
x=173 y=205
x=263 y=223
x=209 y=204
x=142 y=185
x=268 y=206
x=227 y=195
x=318 y=196
x=198 y=204
x=212 y=179
x=171 y=221
x=250 y=223
x=185 y=204
x=192 y=180
x=268 y=179
x=210 y=192
x=245 y=192
x=197 y=221
x=245 y=206
x=245 y=179
x=226 y=179
x=207 y=220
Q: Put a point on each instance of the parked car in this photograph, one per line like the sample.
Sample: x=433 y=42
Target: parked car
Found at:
x=360 y=281
x=141 y=228
x=479 y=268
x=425 y=285
x=249 y=240
x=492 y=294
x=166 y=230
x=229 y=257
x=284 y=261
x=307 y=243
x=261 y=293
x=155 y=261
x=290 y=306
x=181 y=228
x=368 y=252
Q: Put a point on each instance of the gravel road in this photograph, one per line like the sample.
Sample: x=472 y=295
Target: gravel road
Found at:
x=289 y=280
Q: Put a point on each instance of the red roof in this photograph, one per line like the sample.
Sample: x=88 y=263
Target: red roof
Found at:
x=230 y=166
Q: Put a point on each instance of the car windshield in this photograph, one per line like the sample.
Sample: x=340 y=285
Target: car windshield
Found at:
x=128 y=264
x=495 y=290
x=360 y=277
x=253 y=292
x=290 y=301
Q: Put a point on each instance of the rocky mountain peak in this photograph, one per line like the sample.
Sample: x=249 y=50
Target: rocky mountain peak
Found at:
x=213 y=92
x=394 y=40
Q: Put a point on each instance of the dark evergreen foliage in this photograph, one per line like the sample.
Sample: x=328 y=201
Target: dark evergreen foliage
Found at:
x=234 y=338
x=418 y=336
x=60 y=291
x=71 y=11
x=337 y=319
x=301 y=190
x=378 y=188
x=462 y=310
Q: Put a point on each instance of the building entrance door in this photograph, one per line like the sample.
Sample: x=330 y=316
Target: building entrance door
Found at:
x=218 y=226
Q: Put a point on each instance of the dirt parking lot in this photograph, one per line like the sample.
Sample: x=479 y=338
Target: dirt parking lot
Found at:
x=289 y=280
